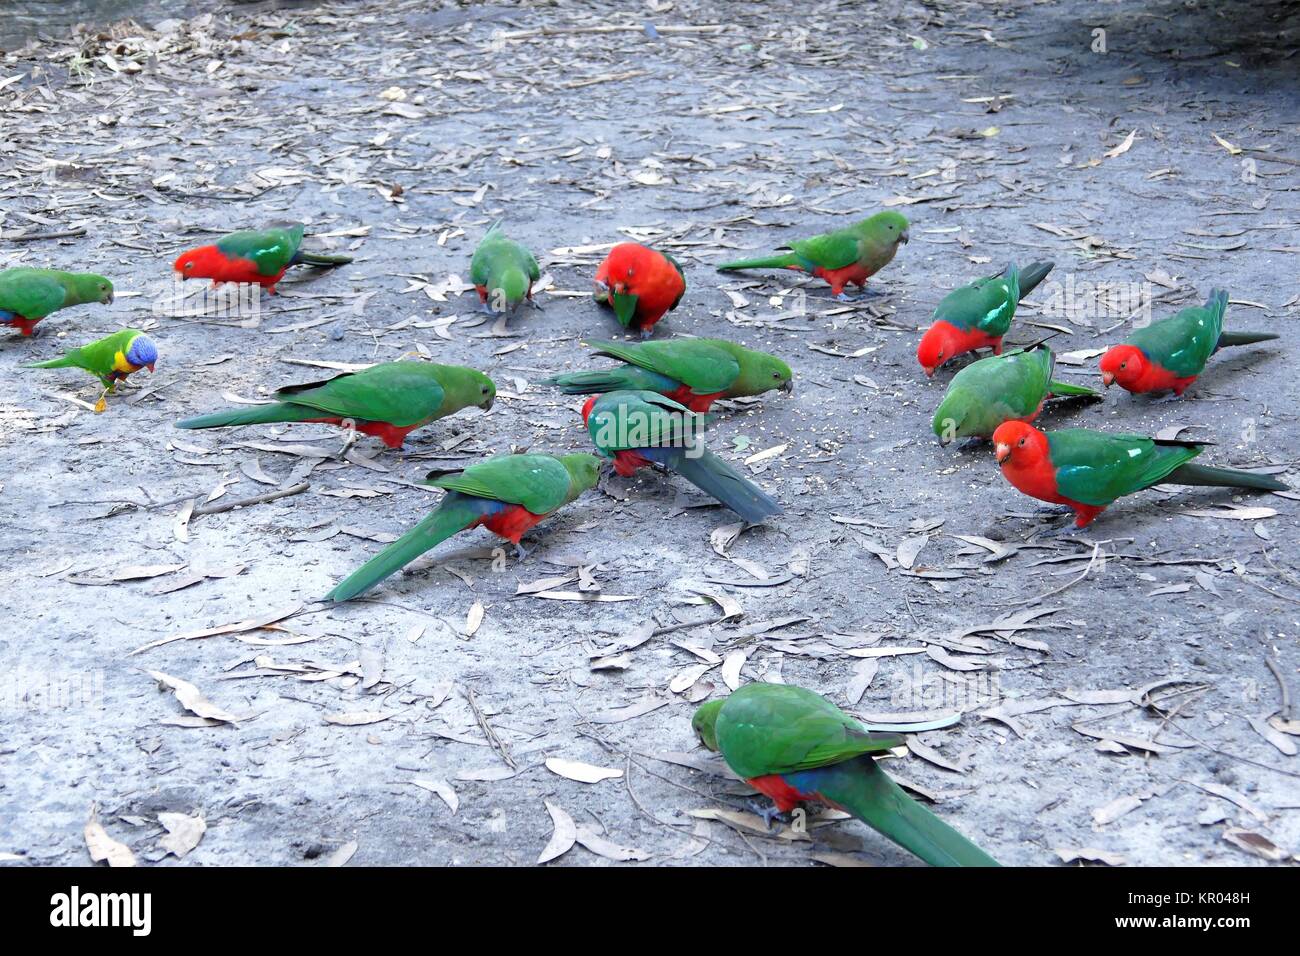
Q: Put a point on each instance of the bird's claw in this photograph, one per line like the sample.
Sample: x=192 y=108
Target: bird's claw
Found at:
x=769 y=812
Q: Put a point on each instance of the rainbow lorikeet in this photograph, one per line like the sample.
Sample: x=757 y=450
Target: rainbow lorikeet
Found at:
x=636 y=429
x=29 y=295
x=977 y=315
x=850 y=255
x=111 y=359
x=794 y=746
x=640 y=284
x=695 y=372
x=260 y=256
x=388 y=401
x=1170 y=354
x=507 y=494
x=1001 y=388
x=1087 y=470
x=502 y=271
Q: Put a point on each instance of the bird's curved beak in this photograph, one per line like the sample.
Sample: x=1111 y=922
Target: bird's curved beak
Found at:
x=1108 y=379
x=903 y=237
x=150 y=366
x=1002 y=451
x=487 y=405
x=942 y=440
x=601 y=287
x=929 y=370
x=111 y=297
x=788 y=386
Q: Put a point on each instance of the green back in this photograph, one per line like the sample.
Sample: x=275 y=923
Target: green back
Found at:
x=503 y=264
x=540 y=483
x=871 y=243
x=271 y=250
x=1095 y=467
x=1184 y=342
x=777 y=728
x=626 y=420
x=705 y=366
x=100 y=356
x=986 y=304
x=35 y=293
x=993 y=390
x=400 y=393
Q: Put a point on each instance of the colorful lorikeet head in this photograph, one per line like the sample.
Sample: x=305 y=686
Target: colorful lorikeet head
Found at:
x=705 y=721
x=1024 y=444
x=1124 y=364
x=142 y=353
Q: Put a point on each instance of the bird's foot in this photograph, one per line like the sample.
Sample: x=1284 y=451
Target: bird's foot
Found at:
x=1055 y=511
x=647 y=334
x=1064 y=531
x=769 y=812
x=535 y=304
x=521 y=553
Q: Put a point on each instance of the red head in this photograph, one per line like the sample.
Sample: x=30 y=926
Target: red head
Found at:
x=586 y=408
x=198 y=263
x=1124 y=364
x=937 y=346
x=622 y=264
x=1019 y=444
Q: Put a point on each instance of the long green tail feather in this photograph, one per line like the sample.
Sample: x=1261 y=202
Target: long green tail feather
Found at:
x=319 y=259
x=1244 y=338
x=714 y=476
x=63 y=361
x=605 y=380
x=1033 y=274
x=783 y=261
x=455 y=514
x=1191 y=474
x=1065 y=390
x=867 y=792
x=257 y=415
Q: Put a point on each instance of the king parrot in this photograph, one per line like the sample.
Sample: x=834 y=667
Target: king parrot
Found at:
x=507 y=494
x=793 y=745
x=1087 y=470
x=111 y=359
x=640 y=285
x=259 y=256
x=388 y=401
x=850 y=255
x=978 y=314
x=29 y=295
x=640 y=428
x=1001 y=388
x=1170 y=354
x=695 y=372
x=502 y=271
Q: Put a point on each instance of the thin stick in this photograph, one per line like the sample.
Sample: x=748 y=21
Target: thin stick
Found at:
x=244 y=502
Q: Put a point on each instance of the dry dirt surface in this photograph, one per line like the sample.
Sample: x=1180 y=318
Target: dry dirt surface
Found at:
x=1123 y=696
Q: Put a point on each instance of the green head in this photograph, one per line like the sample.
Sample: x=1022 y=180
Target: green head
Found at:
x=760 y=372
x=464 y=387
x=507 y=289
x=87 y=287
x=583 y=471
x=705 y=723
x=885 y=227
x=952 y=419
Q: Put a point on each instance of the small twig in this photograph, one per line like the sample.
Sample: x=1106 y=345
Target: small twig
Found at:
x=36 y=236
x=1285 y=710
x=488 y=732
x=224 y=506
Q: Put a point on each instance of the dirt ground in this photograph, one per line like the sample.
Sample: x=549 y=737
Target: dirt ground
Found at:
x=1121 y=696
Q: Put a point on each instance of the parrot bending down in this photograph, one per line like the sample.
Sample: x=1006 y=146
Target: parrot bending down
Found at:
x=111 y=359
x=1088 y=470
x=978 y=314
x=640 y=285
x=636 y=429
x=1001 y=388
x=253 y=256
x=388 y=401
x=1171 y=353
x=793 y=745
x=29 y=295
x=507 y=494
x=850 y=255
x=503 y=272
x=694 y=372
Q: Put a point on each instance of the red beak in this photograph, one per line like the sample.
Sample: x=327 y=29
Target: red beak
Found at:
x=150 y=366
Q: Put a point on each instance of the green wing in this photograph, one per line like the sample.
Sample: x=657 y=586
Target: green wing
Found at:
x=1095 y=468
x=400 y=393
x=31 y=293
x=831 y=250
x=538 y=482
x=623 y=420
x=700 y=364
x=986 y=304
x=776 y=728
x=271 y=250
x=1184 y=342
x=993 y=390
x=100 y=357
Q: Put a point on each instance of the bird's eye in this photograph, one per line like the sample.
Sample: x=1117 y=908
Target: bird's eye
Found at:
x=1123 y=365
x=189 y=266
x=485 y=389
x=1021 y=443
